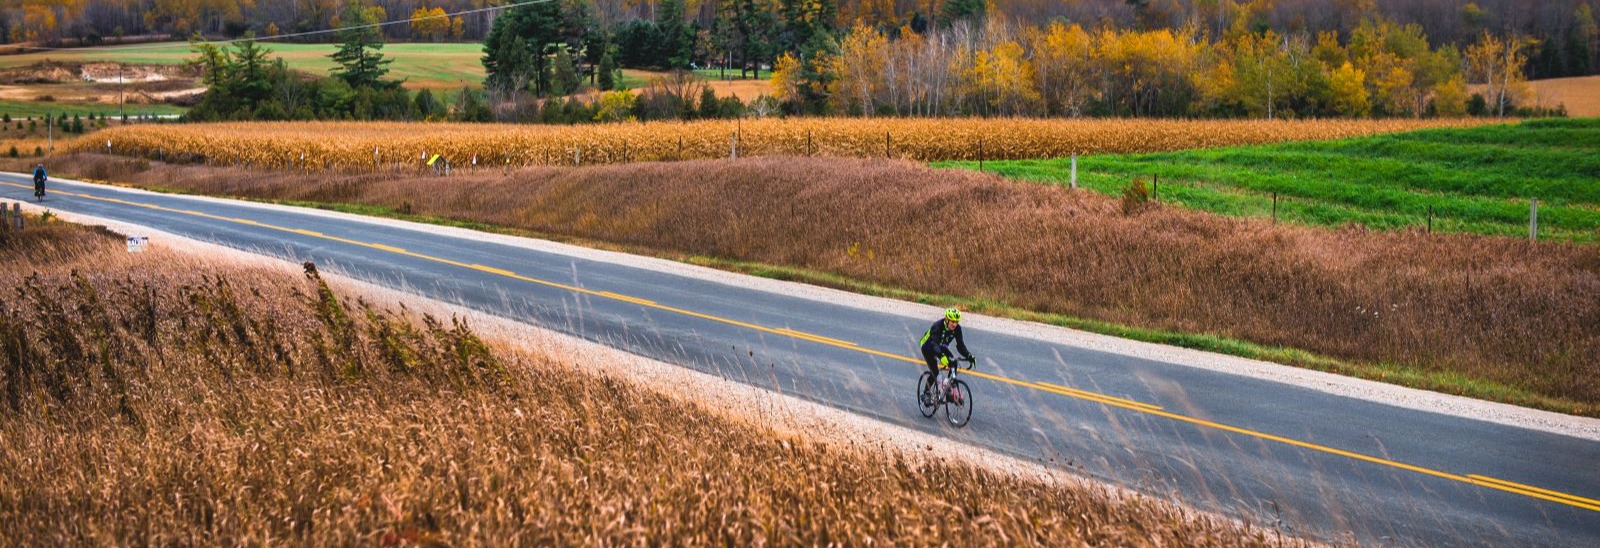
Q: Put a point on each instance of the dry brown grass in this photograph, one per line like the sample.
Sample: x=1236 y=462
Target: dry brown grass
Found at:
x=158 y=399
x=351 y=145
x=1581 y=95
x=1483 y=308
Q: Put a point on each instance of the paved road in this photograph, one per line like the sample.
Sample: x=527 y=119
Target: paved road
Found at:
x=1310 y=463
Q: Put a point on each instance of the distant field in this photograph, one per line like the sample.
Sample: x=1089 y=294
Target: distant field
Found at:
x=1580 y=95
x=1476 y=180
x=423 y=66
x=432 y=66
x=26 y=109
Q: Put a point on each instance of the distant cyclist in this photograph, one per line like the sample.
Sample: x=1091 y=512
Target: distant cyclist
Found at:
x=936 y=342
x=39 y=177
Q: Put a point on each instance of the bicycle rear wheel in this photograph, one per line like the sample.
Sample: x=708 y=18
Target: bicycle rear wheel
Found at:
x=959 y=407
x=926 y=402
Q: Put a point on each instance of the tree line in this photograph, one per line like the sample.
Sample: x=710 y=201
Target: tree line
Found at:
x=1382 y=69
x=748 y=32
x=964 y=63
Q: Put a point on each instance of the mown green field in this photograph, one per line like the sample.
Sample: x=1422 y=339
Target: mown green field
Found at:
x=21 y=110
x=442 y=66
x=1475 y=180
x=433 y=66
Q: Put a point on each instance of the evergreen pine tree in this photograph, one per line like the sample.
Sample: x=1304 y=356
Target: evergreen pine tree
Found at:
x=608 y=71
x=710 y=107
x=361 y=64
x=427 y=105
x=565 y=79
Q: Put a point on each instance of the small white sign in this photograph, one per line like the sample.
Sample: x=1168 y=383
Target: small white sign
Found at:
x=136 y=244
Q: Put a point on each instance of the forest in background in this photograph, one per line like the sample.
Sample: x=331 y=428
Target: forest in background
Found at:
x=1565 y=28
x=1200 y=58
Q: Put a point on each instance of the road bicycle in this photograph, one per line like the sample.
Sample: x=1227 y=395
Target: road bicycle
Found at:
x=956 y=397
x=38 y=188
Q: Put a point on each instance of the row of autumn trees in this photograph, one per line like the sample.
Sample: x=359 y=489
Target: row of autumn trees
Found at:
x=708 y=32
x=980 y=65
x=1381 y=69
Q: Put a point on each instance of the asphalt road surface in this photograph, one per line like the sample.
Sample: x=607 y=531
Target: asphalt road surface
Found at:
x=1302 y=461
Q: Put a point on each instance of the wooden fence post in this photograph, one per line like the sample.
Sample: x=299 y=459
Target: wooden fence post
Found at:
x=1430 y=219
x=16 y=213
x=1533 y=219
x=1155 y=187
x=1274 y=208
x=980 y=155
x=1073 y=182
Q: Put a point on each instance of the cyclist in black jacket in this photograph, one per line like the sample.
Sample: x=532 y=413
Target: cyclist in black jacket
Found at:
x=936 y=342
x=39 y=177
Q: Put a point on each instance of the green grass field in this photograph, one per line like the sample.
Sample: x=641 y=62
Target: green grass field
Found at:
x=26 y=109
x=1475 y=180
x=435 y=66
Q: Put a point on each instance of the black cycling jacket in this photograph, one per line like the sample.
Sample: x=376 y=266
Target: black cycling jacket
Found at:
x=938 y=336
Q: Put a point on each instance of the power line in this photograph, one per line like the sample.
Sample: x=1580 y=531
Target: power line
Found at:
x=283 y=36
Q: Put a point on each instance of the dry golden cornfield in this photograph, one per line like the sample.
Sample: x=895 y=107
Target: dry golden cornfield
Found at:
x=359 y=145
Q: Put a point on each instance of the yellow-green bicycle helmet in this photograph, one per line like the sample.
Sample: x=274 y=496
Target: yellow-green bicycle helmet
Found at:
x=952 y=314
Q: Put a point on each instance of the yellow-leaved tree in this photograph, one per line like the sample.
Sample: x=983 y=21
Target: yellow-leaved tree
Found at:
x=1450 y=97
x=431 y=24
x=1004 y=79
x=786 y=79
x=616 y=106
x=863 y=53
x=1497 y=64
x=1347 y=91
x=38 y=23
x=1063 y=68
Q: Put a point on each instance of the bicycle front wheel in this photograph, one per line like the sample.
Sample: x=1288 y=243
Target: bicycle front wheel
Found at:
x=926 y=399
x=959 y=406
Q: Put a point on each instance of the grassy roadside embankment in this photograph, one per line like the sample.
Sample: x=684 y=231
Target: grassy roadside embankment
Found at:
x=166 y=398
x=1492 y=318
x=1476 y=180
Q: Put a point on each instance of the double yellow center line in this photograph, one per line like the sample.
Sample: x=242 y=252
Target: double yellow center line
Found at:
x=1474 y=479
